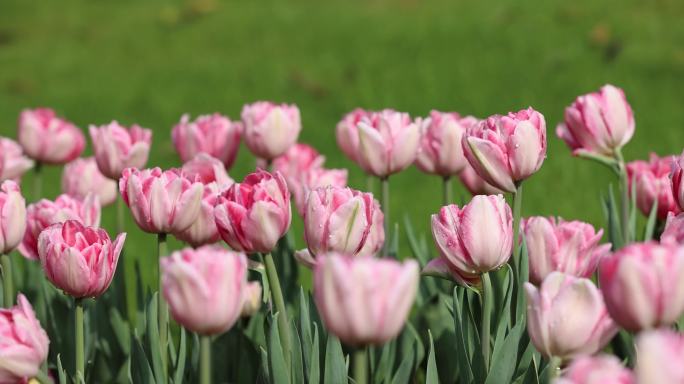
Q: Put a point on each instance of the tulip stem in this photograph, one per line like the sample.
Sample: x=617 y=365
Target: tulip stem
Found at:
x=80 y=339
x=163 y=314
x=553 y=368
x=446 y=190
x=128 y=266
x=369 y=183
x=487 y=304
x=37 y=181
x=7 y=283
x=277 y=294
x=624 y=189
x=205 y=359
x=386 y=210
x=517 y=207
x=361 y=366
x=43 y=378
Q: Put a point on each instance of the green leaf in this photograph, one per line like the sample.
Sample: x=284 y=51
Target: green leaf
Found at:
x=393 y=249
x=531 y=376
x=523 y=276
x=314 y=367
x=305 y=326
x=279 y=372
x=504 y=359
x=140 y=371
x=431 y=375
x=182 y=353
x=651 y=223
x=121 y=329
x=614 y=225
x=632 y=213
x=413 y=243
x=153 y=338
x=264 y=364
x=464 y=366
x=297 y=363
x=384 y=370
x=403 y=374
x=335 y=364
x=61 y=373
x=420 y=347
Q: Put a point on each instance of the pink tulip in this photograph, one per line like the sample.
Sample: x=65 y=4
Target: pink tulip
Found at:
x=216 y=135
x=13 y=163
x=207 y=170
x=677 y=175
x=23 y=343
x=567 y=317
x=440 y=267
x=347 y=132
x=251 y=216
x=12 y=216
x=644 y=285
x=312 y=179
x=475 y=184
x=161 y=201
x=652 y=180
x=659 y=357
x=47 y=138
x=440 y=151
x=270 y=129
x=79 y=260
x=205 y=287
x=388 y=142
x=674 y=230
x=298 y=160
x=601 y=369
x=45 y=213
x=505 y=150
x=252 y=301
x=364 y=301
x=476 y=238
x=117 y=147
x=566 y=246
x=82 y=176
x=599 y=122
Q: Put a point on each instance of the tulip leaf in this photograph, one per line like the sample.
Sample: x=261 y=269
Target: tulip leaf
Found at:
x=122 y=330
x=297 y=363
x=528 y=354
x=651 y=223
x=279 y=373
x=505 y=313
x=632 y=214
x=431 y=375
x=531 y=376
x=140 y=371
x=264 y=364
x=314 y=367
x=413 y=243
x=614 y=226
x=420 y=347
x=503 y=359
x=403 y=374
x=383 y=372
x=153 y=338
x=335 y=365
x=464 y=367
x=61 y=373
x=305 y=326
x=521 y=279
x=182 y=353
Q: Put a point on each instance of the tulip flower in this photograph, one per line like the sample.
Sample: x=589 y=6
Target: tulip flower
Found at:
x=677 y=176
x=347 y=132
x=297 y=161
x=651 y=181
x=45 y=213
x=47 y=138
x=312 y=179
x=674 y=229
x=12 y=216
x=215 y=135
x=659 y=357
x=117 y=147
x=566 y=246
x=475 y=184
x=567 y=317
x=601 y=369
x=440 y=151
x=13 y=163
x=270 y=129
x=598 y=123
x=82 y=177
x=643 y=285
x=439 y=267
x=207 y=170
x=23 y=343
x=252 y=299
x=364 y=301
x=505 y=150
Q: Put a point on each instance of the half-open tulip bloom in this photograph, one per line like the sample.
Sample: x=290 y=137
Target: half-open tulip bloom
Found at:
x=117 y=147
x=298 y=160
x=45 y=213
x=659 y=357
x=251 y=216
x=475 y=184
x=505 y=150
x=207 y=170
x=566 y=246
x=216 y=135
x=12 y=216
x=13 y=163
x=440 y=267
x=601 y=369
x=644 y=285
x=161 y=201
x=651 y=181
x=82 y=176
x=440 y=151
x=567 y=317
x=270 y=129
x=364 y=301
x=47 y=138
x=23 y=343
x=598 y=123
x=674 y=229
x=678 y=180
x=205 y=287
x=347 y=132
x=312 y=179
x=79 y=260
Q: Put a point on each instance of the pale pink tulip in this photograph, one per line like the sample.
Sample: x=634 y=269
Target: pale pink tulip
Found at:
x=677 y=176
x=12 y=216
x=505 y=150
x=601 y=369
x=13 y=163
x=440 y=151
x=215 y=135
x=651 y=181
x=207 y=170
x=567 y=317
x=347 y=132
x=117 y=147
x=252 y=299
x=82 y=176
x=475 y=184
x=659 y=357
x=440 y=267
x=270 y=129
x=298 y=160
x=364 y=301
x=674 y=230
x=312 y=179
x=47 y=138
x=205 y=287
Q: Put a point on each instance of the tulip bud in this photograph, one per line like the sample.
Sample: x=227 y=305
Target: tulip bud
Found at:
x=47 y=138
x=117 y=147
x=205 y=287
x=252 y=301
x=602 y=369
x=23 y=343
x=12 y=216
x=566 y=317
x=644 y=285
x=312 y=179
x=505 y=150
x=364 y=301
x=270 y=129
x=347 y=132
x=475 y=184
x=440 y=151
x=79 y=260
x=659 y=357
x=298 y=160
x=566 y=246
x=13 y=163
x=215 y=135
x=651 y=181
x=674 y=230
x=82 y=176
x=677 y=175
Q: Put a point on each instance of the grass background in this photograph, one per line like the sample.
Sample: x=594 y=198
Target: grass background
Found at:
x=151 y=61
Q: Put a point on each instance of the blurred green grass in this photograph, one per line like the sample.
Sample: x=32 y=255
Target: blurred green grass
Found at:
x=151 y=61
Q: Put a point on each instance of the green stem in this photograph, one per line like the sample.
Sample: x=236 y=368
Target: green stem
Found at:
x=624 y=189
x=43 y=378
x=163 y=314
x=80 y=339
x=553 y=368
x=283 y=322
x=487 y=304
x=361 y=366
x=517 y=207
x=205 y=359
x=7 y=283
x=446 y=190
x=128 y=267
x=386 y=211
x=370 y=181
x=37 y=181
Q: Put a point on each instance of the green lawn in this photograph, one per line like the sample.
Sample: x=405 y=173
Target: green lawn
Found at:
x=151 y=61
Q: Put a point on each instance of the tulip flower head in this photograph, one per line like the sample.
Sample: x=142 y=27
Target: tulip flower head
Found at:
x=651 y=182
x=13 y=163
x=677 y=175
x=475 y=184
x=347 y=132
x=117 y=147
x=270 y=129
x=12 y=216
x=47 y=138
x=82 y=177
x=601 y=369
x=215 y=135
x=674 y=230
x=440 y=151
x=659 y=357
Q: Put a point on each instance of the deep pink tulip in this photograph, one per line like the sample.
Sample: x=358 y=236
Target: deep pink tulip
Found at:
x=117 y=147
x=652 y=180
x=13 y=163
x=312 y=179
x=47 y=138
x=347 y=132
x=674 y=230
x=644 y=285
x=677 y=176
x=252 y=299
x=23 y=343
x=598 y=122
x=12 y=216
x=270 y=129
x=364 y=301
x=505 y=150
x=216 y=135
x=659 y=357
x=566 y=246
x=298 y=160
x=601 y=369
x=251 y=216
x=82 y=176
x=45 y=213
x=205 y=287
x=475 y=184
x=161 y=201
x=79 y=260
x=567 y=317
x=440 y=151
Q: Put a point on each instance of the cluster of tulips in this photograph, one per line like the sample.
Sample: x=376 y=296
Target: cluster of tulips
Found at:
x=580 y=301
